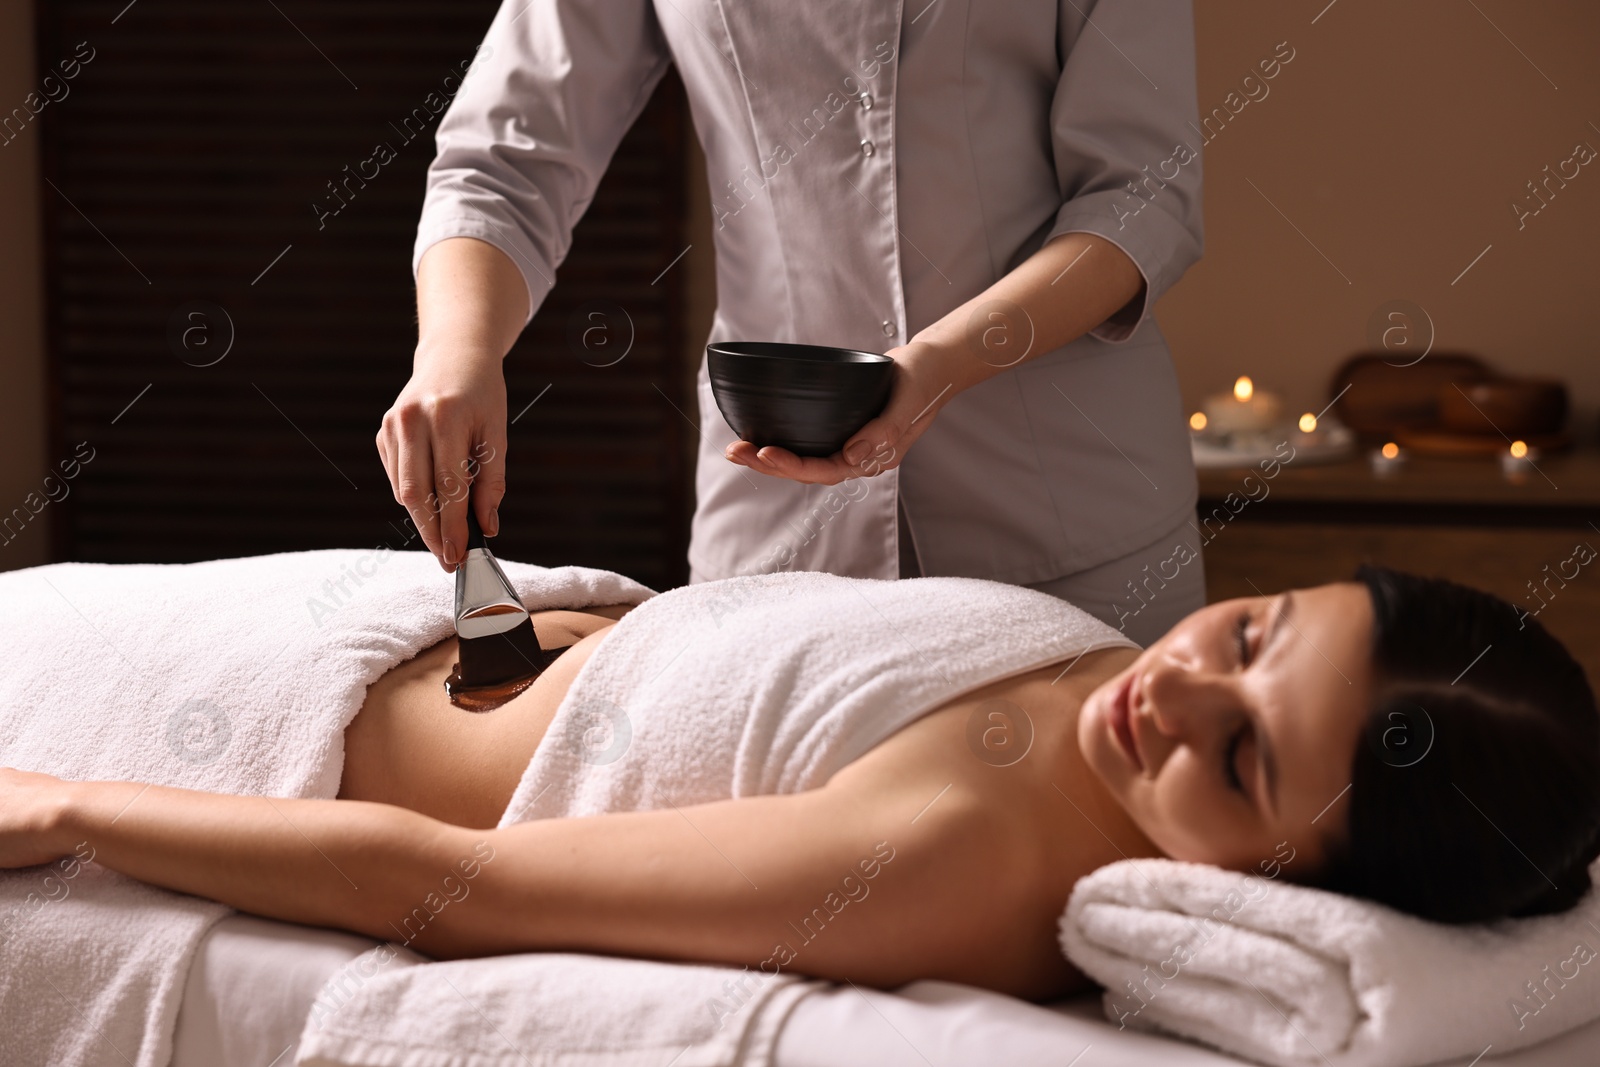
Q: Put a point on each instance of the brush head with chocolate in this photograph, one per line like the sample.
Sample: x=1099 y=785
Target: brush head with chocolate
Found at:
x=498 y=653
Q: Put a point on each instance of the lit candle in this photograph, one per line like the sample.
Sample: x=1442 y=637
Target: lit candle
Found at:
x=1388 y=459
x=1246 y=410
x=1197 y=421
x=1308 y=423
x=1517 y=460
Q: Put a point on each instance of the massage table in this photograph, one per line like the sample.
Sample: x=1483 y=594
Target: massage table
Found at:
x=253 y=982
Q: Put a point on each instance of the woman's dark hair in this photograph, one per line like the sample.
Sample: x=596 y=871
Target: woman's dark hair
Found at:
x=1475 y=788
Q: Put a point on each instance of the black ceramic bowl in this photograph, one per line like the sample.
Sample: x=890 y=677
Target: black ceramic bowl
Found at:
x=808 y=399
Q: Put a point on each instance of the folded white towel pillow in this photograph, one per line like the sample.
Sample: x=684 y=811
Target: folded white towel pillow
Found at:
x=1285 y=974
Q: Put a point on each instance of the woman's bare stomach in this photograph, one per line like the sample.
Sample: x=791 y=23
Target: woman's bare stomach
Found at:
x=408 y=745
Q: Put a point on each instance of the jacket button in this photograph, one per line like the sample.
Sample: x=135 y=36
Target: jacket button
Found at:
x=888 y=328
x=866 y=148
x=866 y=101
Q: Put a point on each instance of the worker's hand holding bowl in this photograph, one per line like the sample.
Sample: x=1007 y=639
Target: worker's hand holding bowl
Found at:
x=821 y=415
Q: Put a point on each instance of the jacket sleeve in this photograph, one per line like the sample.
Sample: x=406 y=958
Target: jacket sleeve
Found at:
x=1123 y=131
x=548 y=97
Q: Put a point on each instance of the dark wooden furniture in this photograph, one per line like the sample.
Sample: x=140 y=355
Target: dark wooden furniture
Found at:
x=1459 y=519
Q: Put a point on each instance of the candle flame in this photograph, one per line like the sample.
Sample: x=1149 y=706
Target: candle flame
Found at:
x=1308 y=422
x=1244 y=388
x=1197 y=421
x=1391 y=450
x=1519 y=449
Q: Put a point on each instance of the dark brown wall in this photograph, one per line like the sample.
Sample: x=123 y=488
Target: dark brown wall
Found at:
x=187 y=163
x=22 y=407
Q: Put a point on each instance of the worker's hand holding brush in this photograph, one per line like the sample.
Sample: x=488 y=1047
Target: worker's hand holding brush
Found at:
x=444 y=438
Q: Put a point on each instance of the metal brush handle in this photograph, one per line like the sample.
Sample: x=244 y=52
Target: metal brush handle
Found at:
x=485 y=602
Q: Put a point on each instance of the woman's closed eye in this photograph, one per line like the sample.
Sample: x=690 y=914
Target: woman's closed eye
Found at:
x=1241 y=637
x=1230 y=758
x=1230 y=751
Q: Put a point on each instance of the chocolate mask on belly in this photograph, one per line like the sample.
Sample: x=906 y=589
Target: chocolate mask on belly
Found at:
x=499 y=652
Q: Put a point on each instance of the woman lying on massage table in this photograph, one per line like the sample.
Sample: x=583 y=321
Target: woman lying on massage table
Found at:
x=1253 y=728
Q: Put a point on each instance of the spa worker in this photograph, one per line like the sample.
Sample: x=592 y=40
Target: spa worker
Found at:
x=994 y=194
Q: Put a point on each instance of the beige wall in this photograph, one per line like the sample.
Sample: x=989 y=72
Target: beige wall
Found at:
x=22 y=390
x=1396 y=139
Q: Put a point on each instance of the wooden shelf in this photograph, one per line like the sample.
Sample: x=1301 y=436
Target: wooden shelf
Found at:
x=1563 y=490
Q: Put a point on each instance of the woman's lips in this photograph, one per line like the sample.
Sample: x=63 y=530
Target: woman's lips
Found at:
x=1120 y=722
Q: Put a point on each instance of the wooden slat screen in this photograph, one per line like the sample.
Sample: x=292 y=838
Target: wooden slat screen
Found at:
x=183 y=167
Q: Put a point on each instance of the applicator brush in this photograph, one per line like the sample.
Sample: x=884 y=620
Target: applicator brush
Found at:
x=498 y=652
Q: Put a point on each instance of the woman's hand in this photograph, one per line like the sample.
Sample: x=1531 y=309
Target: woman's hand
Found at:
x=444 y=436
x=926 y=378
x=31 y=807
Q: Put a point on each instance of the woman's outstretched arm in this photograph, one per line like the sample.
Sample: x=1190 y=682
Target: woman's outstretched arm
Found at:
x=833 y=883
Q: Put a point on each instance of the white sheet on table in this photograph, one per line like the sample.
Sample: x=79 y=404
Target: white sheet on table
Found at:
x=255 y=979
x=251 y=987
